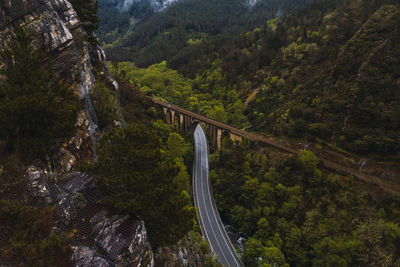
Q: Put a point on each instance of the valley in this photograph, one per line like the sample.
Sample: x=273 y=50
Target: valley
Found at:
x=200 y=133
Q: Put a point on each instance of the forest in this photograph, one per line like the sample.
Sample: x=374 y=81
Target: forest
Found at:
x=326 y=73
x=291 y=213
x=148 y=38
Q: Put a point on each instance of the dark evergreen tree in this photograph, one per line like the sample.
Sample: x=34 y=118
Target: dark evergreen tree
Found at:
x=87 y=12
x=135 y=175
x=35 y=110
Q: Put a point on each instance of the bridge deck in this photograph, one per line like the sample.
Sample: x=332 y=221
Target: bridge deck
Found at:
x=328 y=164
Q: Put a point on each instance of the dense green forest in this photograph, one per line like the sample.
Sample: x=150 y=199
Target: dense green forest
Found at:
x=328 y=72
x=294 y=214
x=149 y=37
x=205 y=94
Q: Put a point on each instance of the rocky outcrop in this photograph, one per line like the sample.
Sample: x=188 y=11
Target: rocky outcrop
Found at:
x=156 y=5
x=100 y=238
x=37 y=183
x=192 y=251
x=56 y=28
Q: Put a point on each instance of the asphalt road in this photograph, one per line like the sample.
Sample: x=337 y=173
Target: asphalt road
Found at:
x=210 y=222
x=385 y=183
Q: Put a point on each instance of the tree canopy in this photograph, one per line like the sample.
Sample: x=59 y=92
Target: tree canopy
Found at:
x=137 y=174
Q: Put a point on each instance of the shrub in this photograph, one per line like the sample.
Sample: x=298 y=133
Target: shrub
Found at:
x=27 y=239
x=106 y=105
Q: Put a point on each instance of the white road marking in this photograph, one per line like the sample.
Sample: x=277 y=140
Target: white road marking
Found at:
x=200 y=144
x=215 y=212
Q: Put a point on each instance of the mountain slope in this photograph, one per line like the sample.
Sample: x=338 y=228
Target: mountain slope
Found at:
x=154 y=37
x=328 y=72
x=337 y=80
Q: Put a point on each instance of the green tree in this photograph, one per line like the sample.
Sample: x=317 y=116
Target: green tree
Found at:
x=337 y=252
x=135 y=175
x=176 y=147
x=252 y=253
x=272 y=256
x=106 y=105
x=87 y=13
x=35 y=110
x=27 y=238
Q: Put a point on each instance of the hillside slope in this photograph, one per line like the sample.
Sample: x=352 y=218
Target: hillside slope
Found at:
x=335 y=78
x=148 y=37
x=328 y=72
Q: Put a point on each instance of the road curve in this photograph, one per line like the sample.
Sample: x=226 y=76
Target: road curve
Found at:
x=385 y=184
x=210 y=222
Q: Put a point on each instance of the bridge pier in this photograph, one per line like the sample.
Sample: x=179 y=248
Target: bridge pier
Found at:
x=182 y=121
x=235 y=138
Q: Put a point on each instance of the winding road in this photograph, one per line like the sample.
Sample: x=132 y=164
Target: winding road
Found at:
x=210 y=222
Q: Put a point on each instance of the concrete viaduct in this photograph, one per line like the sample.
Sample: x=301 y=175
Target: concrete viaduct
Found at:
x=184 y=120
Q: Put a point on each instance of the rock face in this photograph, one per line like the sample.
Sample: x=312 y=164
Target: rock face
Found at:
x=37 y=183
x=191 y=251
x=125 y=5
x=100 y=238
x=56 y=28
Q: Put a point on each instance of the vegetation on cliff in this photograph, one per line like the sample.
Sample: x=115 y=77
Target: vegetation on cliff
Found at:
x=87 y=13
x=35 y=109
x=29 y=237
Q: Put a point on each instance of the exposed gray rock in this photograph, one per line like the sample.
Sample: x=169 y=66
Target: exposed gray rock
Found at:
x=188 y=252
x=86 y=257
x=37 y=182
x=102 y=238
x=70 y=198
x=122 y=238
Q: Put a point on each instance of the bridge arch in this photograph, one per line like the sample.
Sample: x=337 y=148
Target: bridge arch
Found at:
x=177 y=122
x=184 y=121
x=168 y=116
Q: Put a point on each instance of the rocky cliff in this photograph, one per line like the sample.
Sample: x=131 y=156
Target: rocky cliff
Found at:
x=125 y=5
x=100 y=237
x=57 y=30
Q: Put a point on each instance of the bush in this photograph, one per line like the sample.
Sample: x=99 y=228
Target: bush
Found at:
x=27 y=239
x=106 y=105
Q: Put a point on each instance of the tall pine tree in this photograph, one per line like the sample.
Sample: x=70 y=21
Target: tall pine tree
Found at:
x=87 y=12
